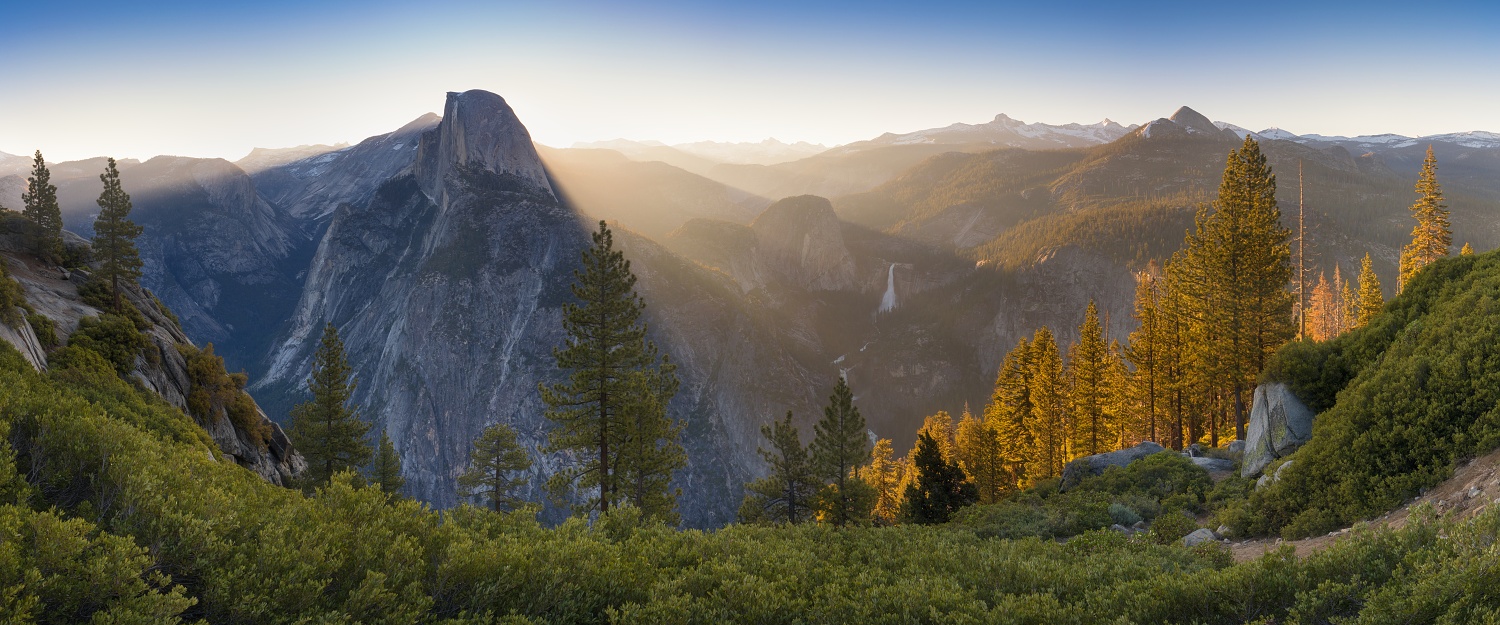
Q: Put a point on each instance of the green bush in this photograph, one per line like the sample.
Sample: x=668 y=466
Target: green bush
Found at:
x=114 y=337
x=1170 y=527
x=1123 y=514
x=11 y=296
x=45 y=330
x=214 y=393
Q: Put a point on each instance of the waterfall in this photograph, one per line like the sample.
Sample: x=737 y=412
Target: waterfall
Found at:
x=888 y=301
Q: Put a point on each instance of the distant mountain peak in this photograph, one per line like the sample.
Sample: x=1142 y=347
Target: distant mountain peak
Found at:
x=1193 y=119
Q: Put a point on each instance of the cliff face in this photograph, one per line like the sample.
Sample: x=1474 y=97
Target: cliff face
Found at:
x=162 y=368
x=446 y=288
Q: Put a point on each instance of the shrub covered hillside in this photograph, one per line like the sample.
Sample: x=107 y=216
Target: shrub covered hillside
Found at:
x=1399 y=402
x=112 y=511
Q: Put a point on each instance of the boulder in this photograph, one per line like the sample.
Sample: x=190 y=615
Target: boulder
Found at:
x=1274 y=476
x=24 y=339
x=1086 y=466
x=1236 y=447
x=1279 y=424
x=1213 y=464
x=1198 y=537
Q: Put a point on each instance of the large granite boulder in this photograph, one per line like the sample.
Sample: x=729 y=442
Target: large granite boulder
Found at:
x=1086 y=466
x=1279 y=424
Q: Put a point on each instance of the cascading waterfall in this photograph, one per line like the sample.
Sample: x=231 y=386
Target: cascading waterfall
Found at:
x=888 y=301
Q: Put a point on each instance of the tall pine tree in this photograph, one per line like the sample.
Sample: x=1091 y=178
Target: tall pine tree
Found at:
x=789 y=494
x=41 y=207
x=1088 y=368
x=114 y=235
x=1371 y=300
x=884 y=474
x=1432 y=236
x=1010 y=412
x=1050 y=425
x=1144 y=351
x=615 y=390
x=494 y=465
x=840 y=446
x=649 y=451
x=1237 y=268
x=327 y=429
x=977 y=448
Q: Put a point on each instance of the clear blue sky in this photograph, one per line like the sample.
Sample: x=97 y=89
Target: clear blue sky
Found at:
x=217 y=78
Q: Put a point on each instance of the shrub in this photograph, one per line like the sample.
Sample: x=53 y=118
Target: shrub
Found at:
x=1170 y=527
x=45 y=330
x=215 y=394
x=1123 y=515
x=114 y=337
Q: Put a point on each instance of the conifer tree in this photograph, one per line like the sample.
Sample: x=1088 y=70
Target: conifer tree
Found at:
x=940 y=427
x=1144 y=352
x=789 y=494
x=1432 y=236
x=1322 y=322
x=941 y=490
x=386 y=470
x=1371 y=300
x=41 y=207
x=1010 y=411
x=114 y=235
x=840 y=446
x=1119 y=404
x=649 y=451
x=326 y=429
x=1349 y=314
x=976 y=445
x=885 y=475
x=616 y=392
x=1466 y=250
x=1087 y=368
x=1237 y=266
x=497 y=467
x=1049 y=396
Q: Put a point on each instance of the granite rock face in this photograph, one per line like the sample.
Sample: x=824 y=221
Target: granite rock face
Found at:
x=1279 y=424
x=801 y=239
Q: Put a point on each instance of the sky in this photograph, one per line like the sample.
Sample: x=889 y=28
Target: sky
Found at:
x=215 y=79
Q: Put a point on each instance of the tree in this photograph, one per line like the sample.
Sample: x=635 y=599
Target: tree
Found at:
x=617 y=391
x=940 y=427
x=977 y=448
x=1087 y=369
x=386 y=470
x=327 y=430
x=840 y=445
x=1049 y=396
x=789 y=493
x=41 y=207
x=648 y=452
x=1237 y=266
x=114 y=235
x=1144 y=351
x=1010 y=412
x=493 y=463
x=1349 y=313
x=884 y=474
x=1466 y=250
x=1432 y=236
x=940 y=490
x=1370 y=298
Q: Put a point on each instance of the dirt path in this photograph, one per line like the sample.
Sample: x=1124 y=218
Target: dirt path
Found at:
x=1475 y=485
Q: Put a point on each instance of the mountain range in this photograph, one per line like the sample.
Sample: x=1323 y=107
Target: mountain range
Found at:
x=908 y=264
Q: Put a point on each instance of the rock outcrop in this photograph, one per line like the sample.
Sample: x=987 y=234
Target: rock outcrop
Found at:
x=1279 y=424
x=801 y=238
x=1080 y=468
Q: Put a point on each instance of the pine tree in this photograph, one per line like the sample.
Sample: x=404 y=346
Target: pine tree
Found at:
x=884 y=474
x=649 y=451
x=327 y=430
x=976 y=445
x=497 y=467
x=940 y=427
x=941 y=489
x=1010 y=412
x=114 y=235
x=1432 y=236
x=1371 y=300
x=1049 y=395
x=1119 y=404
x=617 y=389
x=1349 y=306
x=789 y=494
x=1466 y=250
x=1144 y=352
x=1237 y=266
x=1087 y=368
x=41 y=207
x=385 y=472
x=840 y=446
